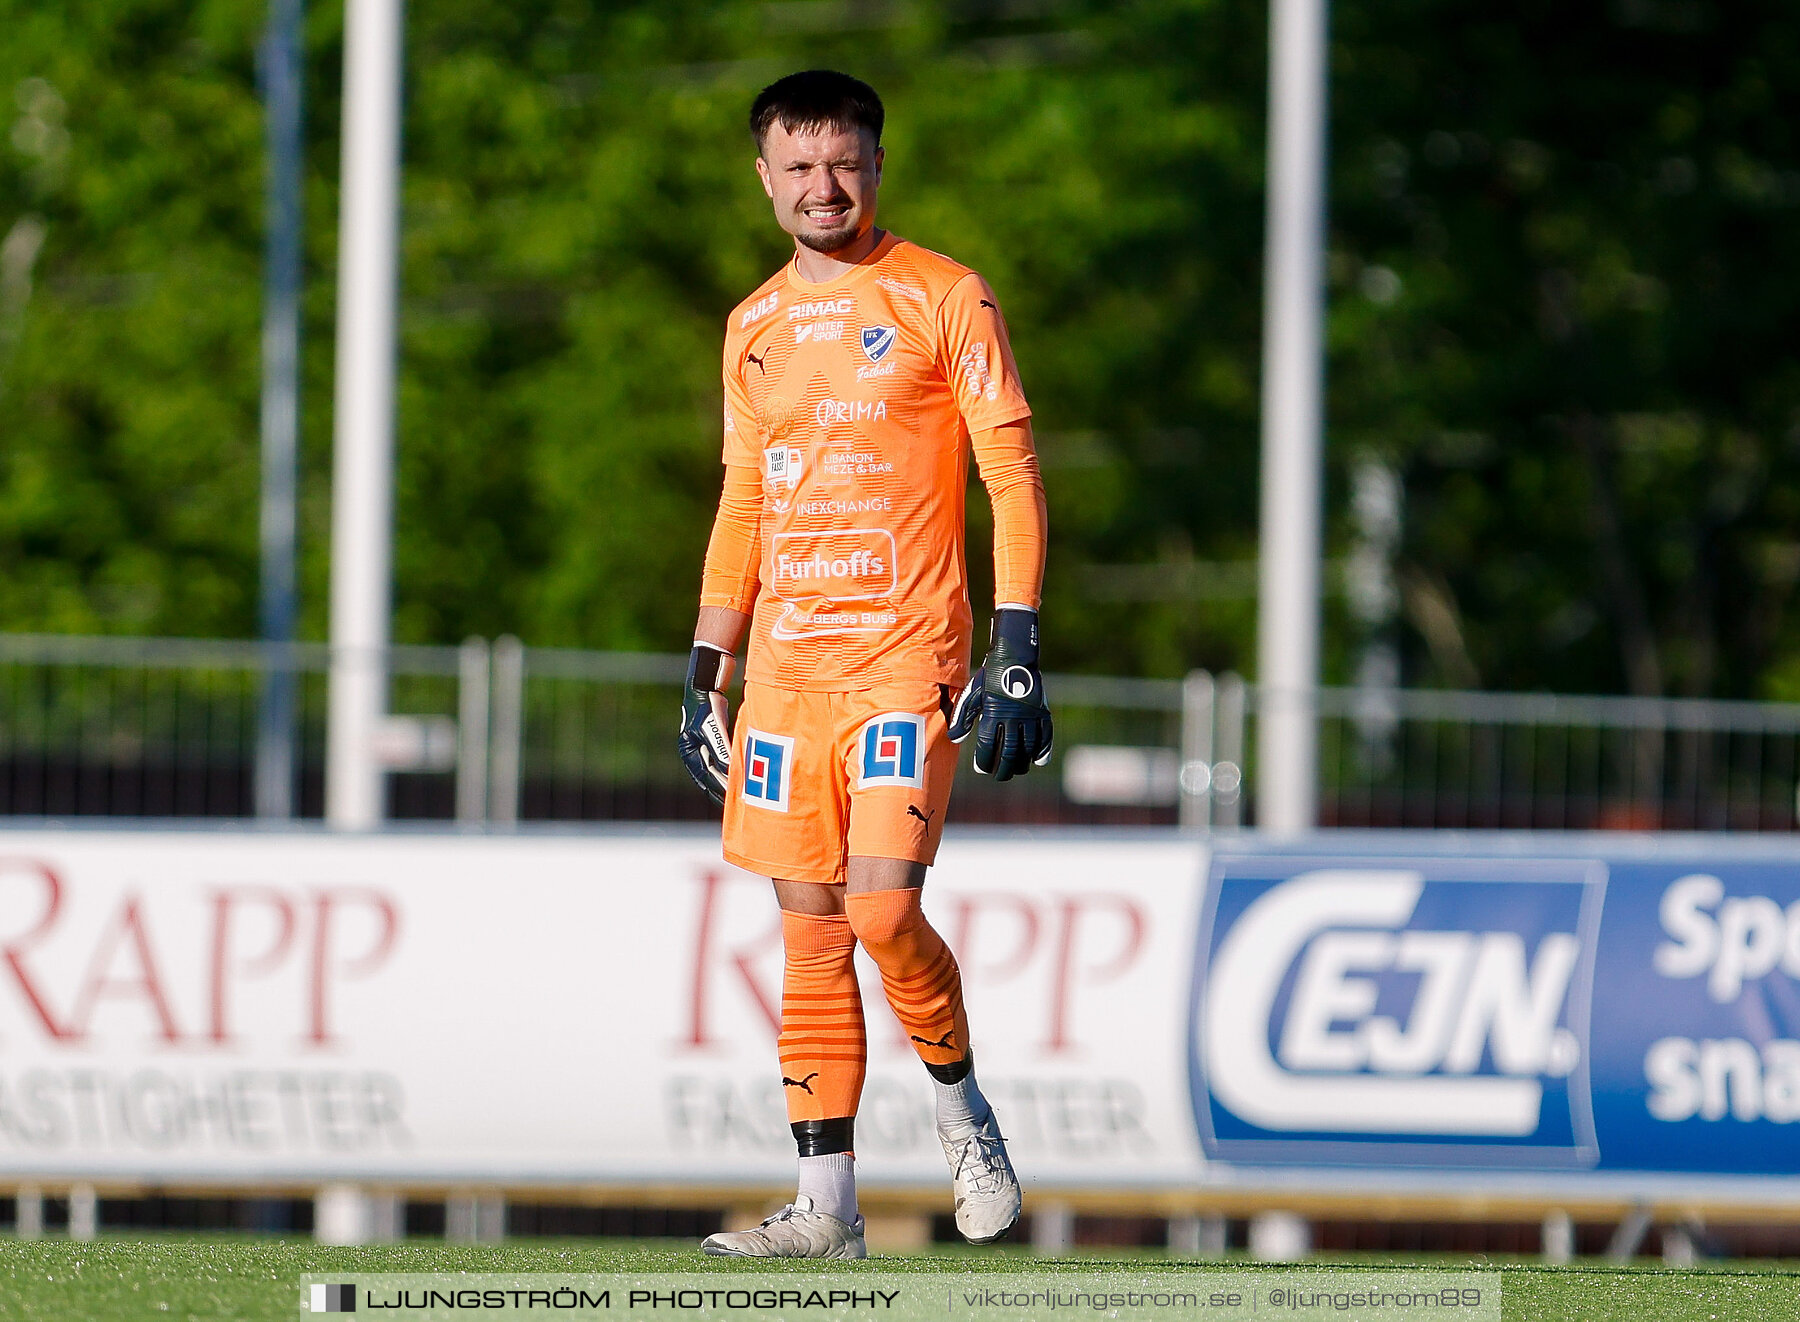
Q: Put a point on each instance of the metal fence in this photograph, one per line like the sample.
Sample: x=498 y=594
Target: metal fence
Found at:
x=482 y=733
x=502 y=733
x=1546 y=762
x=589 y=736
x=154 y=727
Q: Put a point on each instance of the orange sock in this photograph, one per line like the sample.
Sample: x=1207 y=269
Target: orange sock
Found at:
x=823 y=1046
x=918 y=972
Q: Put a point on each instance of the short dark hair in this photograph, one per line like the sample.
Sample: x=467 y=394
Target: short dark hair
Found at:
x=816 y=99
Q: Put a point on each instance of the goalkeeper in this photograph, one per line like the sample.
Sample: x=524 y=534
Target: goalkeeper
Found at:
x=859 y=381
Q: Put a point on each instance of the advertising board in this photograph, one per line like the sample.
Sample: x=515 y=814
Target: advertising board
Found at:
x=1530 y=1014
x=1627 y=1007
x=557 y=1008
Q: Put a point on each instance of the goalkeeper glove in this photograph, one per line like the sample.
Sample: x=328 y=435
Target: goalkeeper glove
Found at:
x=1004 y=703
x=705 y=739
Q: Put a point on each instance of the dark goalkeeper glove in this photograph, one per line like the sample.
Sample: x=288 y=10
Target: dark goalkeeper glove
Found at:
x=1004 y=704
x=705 y=739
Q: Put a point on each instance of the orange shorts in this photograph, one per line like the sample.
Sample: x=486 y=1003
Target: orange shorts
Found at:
x=818 y=777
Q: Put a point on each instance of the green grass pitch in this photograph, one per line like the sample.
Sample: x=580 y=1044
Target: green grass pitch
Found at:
x=235 y=1279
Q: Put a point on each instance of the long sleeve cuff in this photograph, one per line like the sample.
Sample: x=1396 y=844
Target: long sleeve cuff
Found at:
x=1008 y=463
x=734 y=554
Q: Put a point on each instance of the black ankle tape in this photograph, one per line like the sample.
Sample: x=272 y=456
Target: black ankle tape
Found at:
x=955 y=1072
x=823 y=1138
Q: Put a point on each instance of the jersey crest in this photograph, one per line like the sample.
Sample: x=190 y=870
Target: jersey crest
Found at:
x=877 y=340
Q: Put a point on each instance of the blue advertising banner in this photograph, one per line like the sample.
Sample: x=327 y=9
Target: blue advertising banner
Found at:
x=1632 y=1013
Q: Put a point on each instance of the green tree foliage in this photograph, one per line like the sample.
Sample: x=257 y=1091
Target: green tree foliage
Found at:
x=1562 y=267
x=1568 y=269
x=130 y=183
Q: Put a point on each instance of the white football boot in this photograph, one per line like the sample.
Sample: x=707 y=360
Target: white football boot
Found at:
x=982 y=1179
x=796 y=1231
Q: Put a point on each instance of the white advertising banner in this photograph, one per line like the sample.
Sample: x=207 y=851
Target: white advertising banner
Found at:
x=563 y=1008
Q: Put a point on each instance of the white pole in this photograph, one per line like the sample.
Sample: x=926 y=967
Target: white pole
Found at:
x=363 y=459
x=1293 y=310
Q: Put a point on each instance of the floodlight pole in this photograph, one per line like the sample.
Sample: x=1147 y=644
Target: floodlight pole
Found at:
x=1292 y=450
x=280 y=67
x=363 y=446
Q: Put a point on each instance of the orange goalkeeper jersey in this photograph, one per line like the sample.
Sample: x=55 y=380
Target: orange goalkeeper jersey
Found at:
x=854 y=400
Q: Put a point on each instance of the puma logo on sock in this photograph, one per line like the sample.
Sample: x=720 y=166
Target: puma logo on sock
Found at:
x=805 y=1083
x=943 y=1042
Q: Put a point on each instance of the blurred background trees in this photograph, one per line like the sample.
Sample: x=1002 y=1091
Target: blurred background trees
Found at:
x=1564 y=405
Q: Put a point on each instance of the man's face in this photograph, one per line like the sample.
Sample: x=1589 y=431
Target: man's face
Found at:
x=822 y=183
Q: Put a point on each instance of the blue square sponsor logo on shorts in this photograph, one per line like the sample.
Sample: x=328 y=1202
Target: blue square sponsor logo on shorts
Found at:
x=768 y=769
x=877 y=340
x=891 y=751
